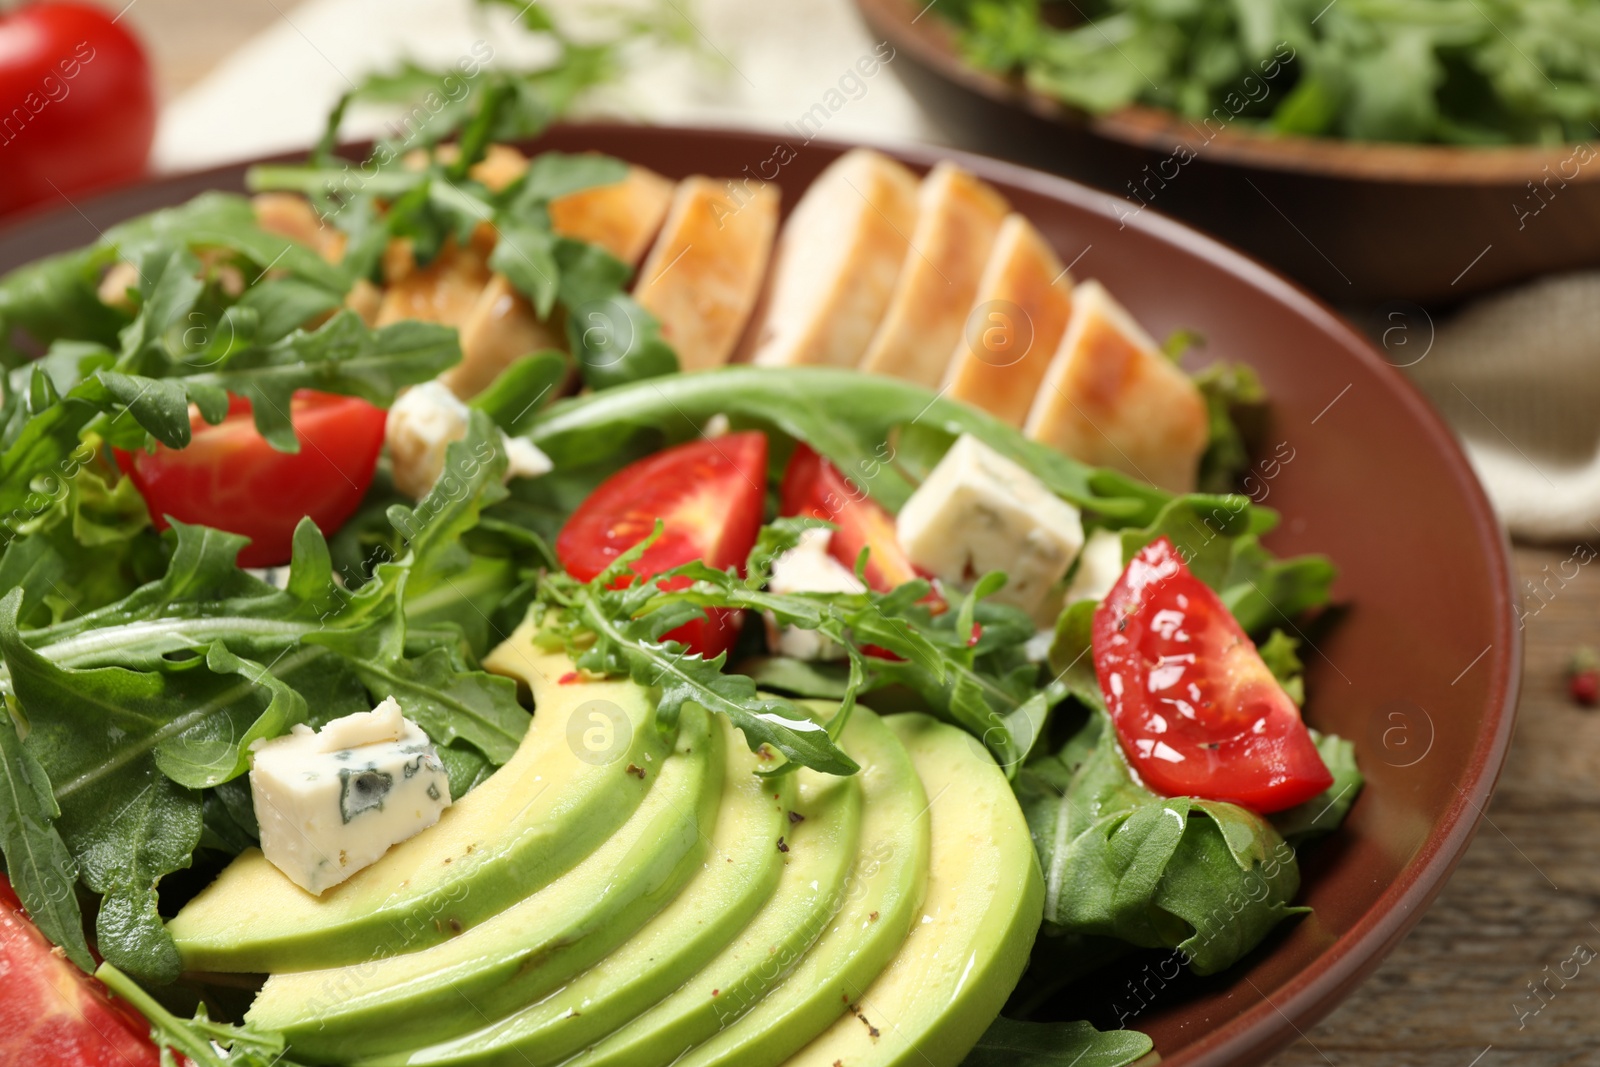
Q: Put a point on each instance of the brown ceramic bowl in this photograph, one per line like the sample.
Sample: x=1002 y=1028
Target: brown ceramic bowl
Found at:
x=1356 y=222
x=1420 y=670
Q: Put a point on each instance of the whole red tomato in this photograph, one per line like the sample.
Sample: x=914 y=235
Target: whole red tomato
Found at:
x=77 y=105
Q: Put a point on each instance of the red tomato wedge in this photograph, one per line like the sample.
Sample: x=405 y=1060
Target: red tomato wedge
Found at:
x=815 y=488
x=54 y=1015
x=1197 y=711
x=230 y=478
x=708 y=494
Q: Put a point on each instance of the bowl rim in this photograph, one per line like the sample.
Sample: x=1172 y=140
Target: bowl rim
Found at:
x=1269 y=1025
x=932 y=43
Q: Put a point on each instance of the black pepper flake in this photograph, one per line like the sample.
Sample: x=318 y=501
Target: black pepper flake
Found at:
x=636 y=771
x=455 y=926
x=872 y=1031
x=796 y=817
x=781 y=846
x=873 y=917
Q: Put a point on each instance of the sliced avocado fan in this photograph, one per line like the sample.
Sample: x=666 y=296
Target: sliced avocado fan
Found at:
x=552 y=804
x=983 y=907
x=520 y=955
x=762 y=1013
x=780 y=850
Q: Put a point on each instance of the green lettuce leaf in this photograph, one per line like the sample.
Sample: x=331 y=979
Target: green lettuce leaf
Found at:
x=1010 y=1043
x=1204 y=878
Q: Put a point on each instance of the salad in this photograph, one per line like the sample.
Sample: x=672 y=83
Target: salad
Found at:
x=468 y=608
x=1456 y=72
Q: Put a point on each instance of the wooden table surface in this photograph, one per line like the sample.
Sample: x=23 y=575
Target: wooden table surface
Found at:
x=1479 y=982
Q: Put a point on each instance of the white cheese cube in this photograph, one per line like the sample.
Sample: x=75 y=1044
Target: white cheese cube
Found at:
x=979 y=512
x=423 y=422
x=808 y=568
x=1099 y=567
x=333 y=801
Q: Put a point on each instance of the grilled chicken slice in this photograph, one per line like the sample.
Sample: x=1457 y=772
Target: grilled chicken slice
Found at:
x=1113 y=399
x=957 y=220
x=445 y=290
x=702 y=277
x=1015 y=326
x=836 y=263
x=500 y=329
x=622 y=217
x=291 y=215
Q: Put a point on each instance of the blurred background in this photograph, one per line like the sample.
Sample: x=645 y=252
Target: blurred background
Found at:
x=1423 y=165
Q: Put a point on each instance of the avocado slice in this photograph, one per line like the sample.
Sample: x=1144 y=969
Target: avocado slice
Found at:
x=765 y=998
x=529 y=822
x=741 y=873
x=520 y=955
x=984 y=904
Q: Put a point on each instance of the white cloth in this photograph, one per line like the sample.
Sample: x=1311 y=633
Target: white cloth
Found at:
x=1517 y=374
x=762 y=64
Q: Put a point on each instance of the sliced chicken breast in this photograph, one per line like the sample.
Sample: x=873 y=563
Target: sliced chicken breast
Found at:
x=500 y=329
x=1111 y=398
x=445 y=290
x=1015 y=325
x=702 y=277
x=957 y=220
x=622 y=217
x=836 y=263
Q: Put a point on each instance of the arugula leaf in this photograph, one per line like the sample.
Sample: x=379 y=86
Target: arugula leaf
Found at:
x=1325 y=813
x=226 y=221
x=1011 y=1043
x=1278 y=653
x=450 y=703
x=985 y=685
x=614 y=339
x=797 y=677
x=626 y=640
x=139 y=710
x=850 y=418
x=1234 y=399
x=127 y=749
x=91 y=548
x=1261 y=590
x=40 y=866
x=520 y=391
x=1219 y=539
x=126 y=837
x=198 y=1039
x=58 y=297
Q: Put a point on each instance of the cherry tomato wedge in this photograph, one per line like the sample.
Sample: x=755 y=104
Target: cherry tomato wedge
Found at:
x=709 y=496
x=1197 y=711
x=54 y=1015
x=230 y=478
x=815 y=488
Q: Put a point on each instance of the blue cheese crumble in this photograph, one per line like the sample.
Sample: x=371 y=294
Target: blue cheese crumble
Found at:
x=333 y=801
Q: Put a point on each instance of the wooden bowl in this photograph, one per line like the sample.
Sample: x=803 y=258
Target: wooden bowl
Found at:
x=1420 y=670
x=1356 y=222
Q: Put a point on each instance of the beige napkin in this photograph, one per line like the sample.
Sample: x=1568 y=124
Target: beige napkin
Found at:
x=1517 y=374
